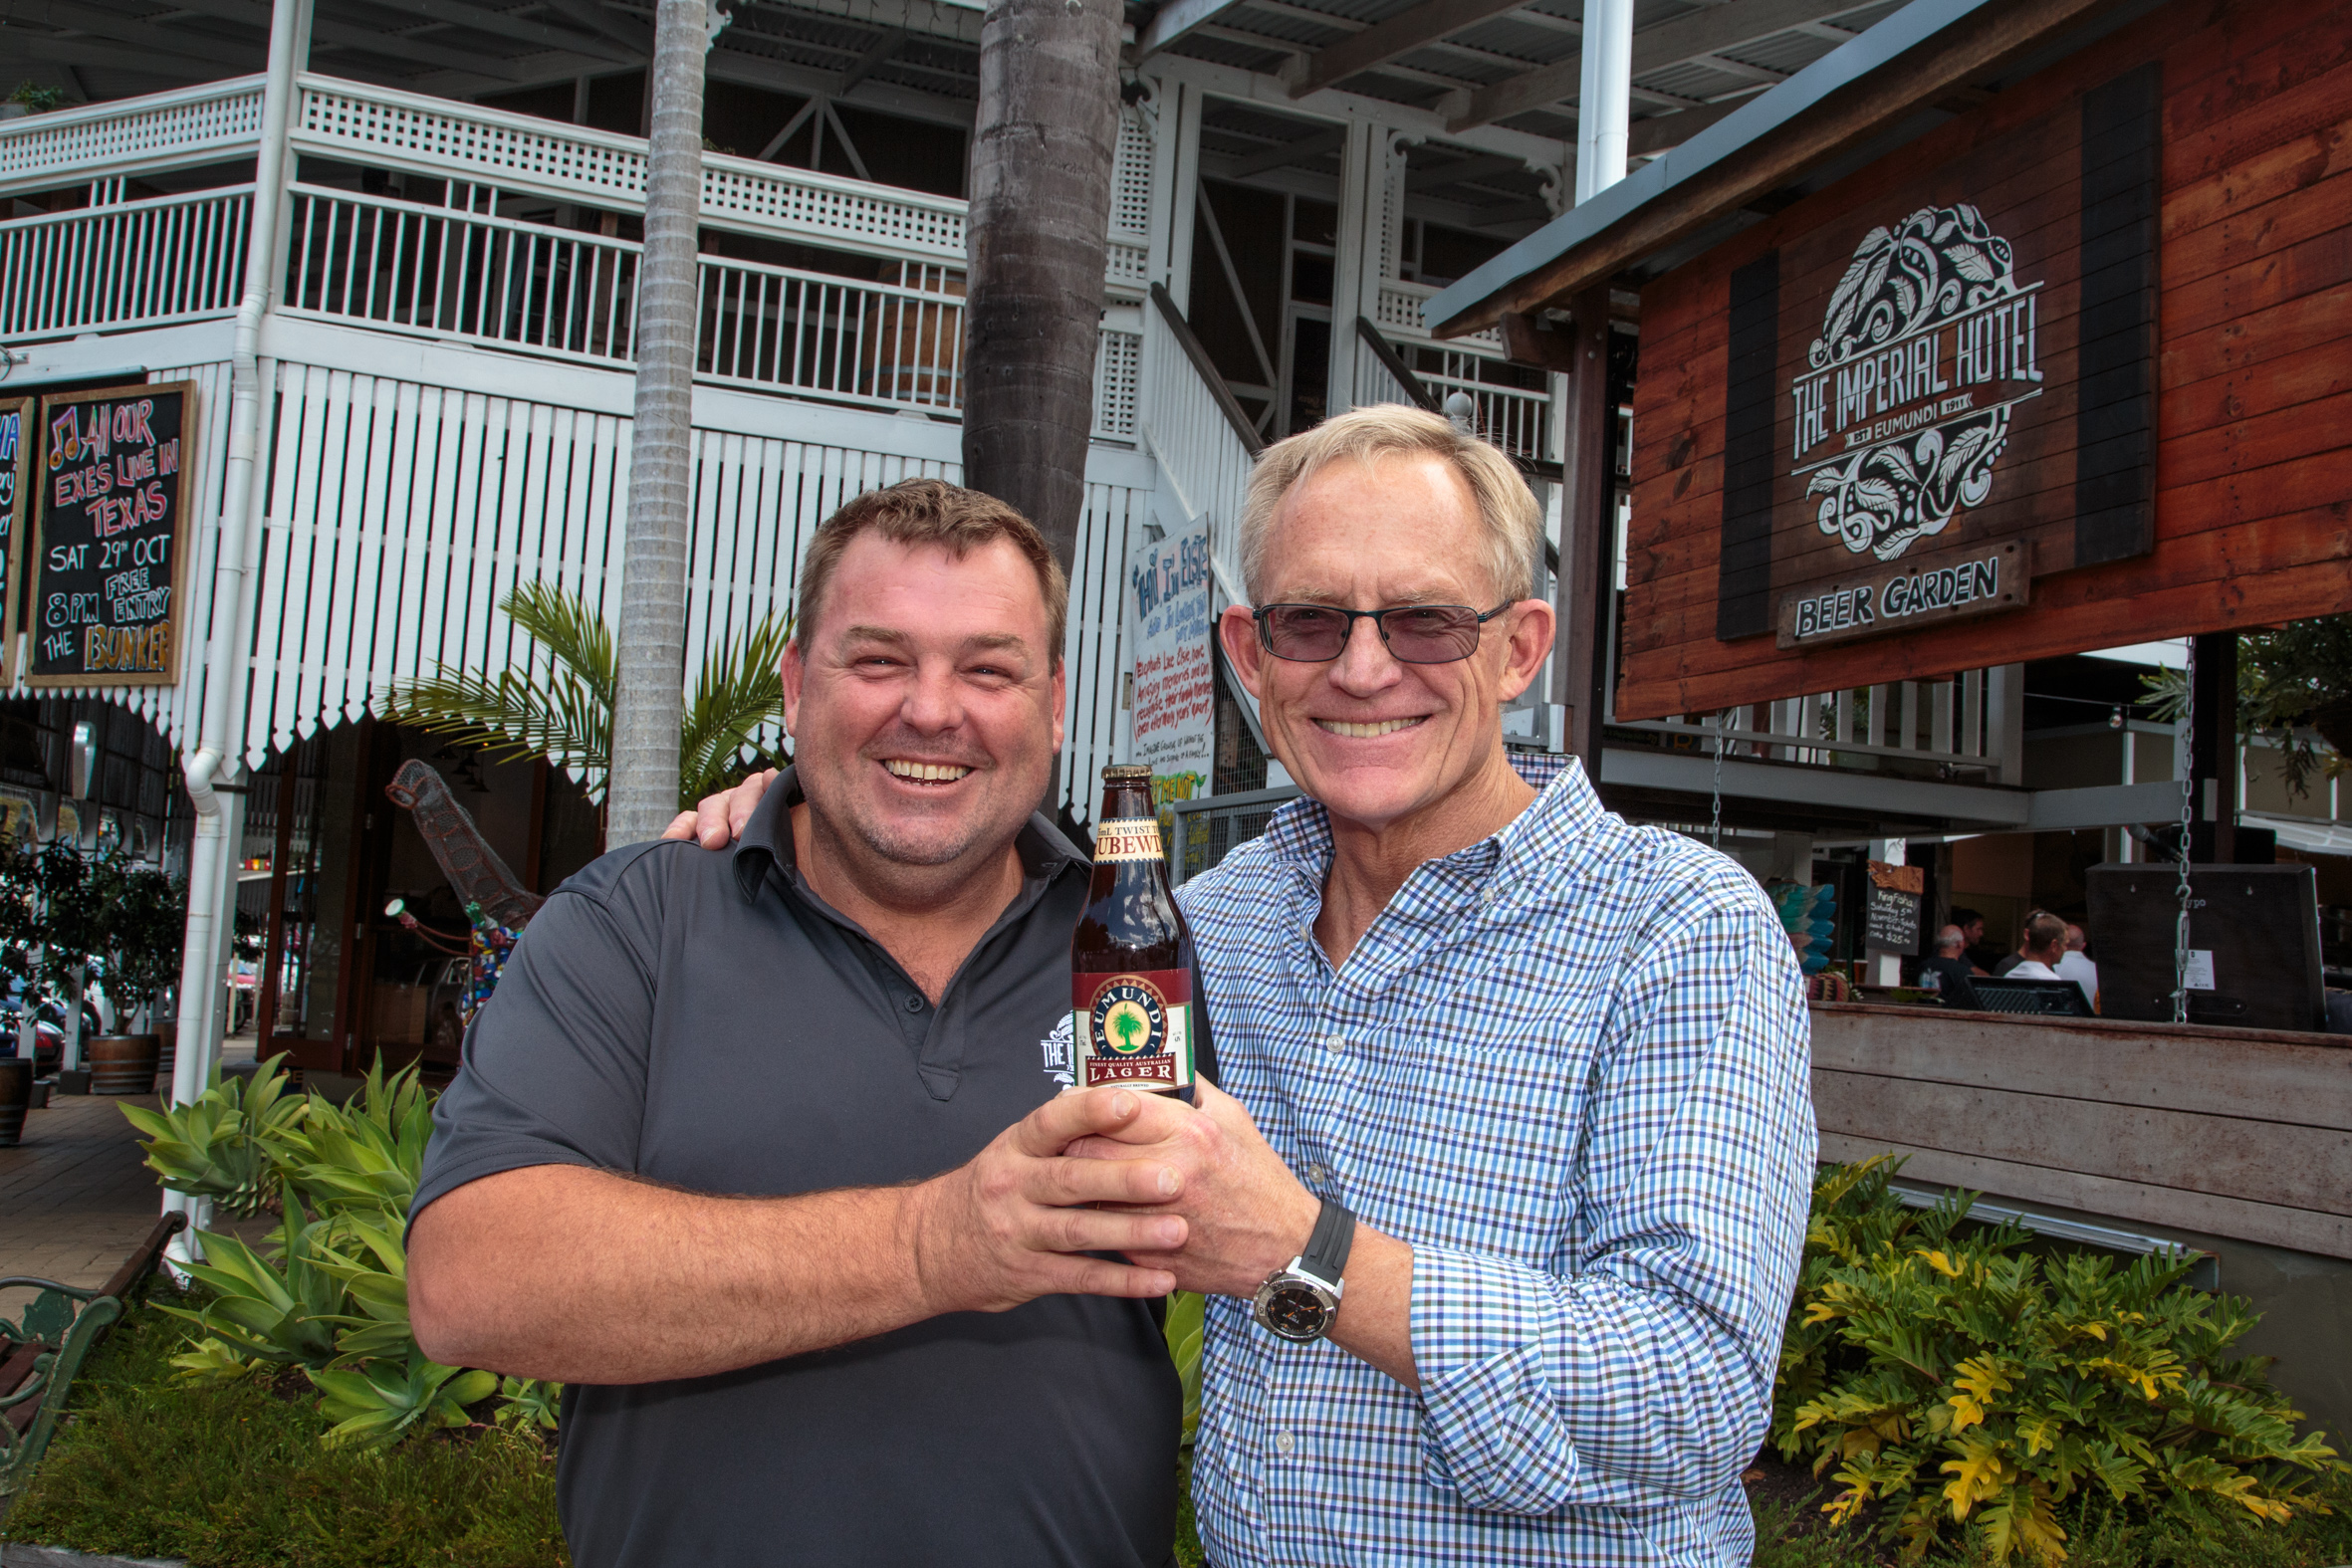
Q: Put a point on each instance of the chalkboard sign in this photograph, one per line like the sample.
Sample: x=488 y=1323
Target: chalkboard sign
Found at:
x=1891 y=921
x=109 y=556
x=17 y=445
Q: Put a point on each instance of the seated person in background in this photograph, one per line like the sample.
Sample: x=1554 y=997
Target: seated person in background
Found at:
x=1971 y=937
x=2077 y=967
x=1947 y=973
x=2044 y=943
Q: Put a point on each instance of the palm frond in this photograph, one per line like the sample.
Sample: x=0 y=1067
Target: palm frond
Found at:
x=559 y=705
x=562 y=711
x=575 y=637
x=738 y=693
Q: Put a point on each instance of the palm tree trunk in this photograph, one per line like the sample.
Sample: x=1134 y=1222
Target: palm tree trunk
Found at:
x=1041 y=153
x=650 y=701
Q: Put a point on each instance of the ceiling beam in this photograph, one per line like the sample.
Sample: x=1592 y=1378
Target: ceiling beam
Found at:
x=883 y=47
x=1304 y=151
x=86 y=50
x=482 y=20
x=597 y=17
x=367 y=40
x=1939 y=60
x=1646 y=138
x=1461 y=169
x=1174 y=20
x=152 y=34
x=1654 y=49
x=1399 y=35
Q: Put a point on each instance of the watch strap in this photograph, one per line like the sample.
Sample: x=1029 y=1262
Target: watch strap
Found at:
x=1327 y=1247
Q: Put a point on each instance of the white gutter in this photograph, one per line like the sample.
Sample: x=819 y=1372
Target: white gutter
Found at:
x=212 y=762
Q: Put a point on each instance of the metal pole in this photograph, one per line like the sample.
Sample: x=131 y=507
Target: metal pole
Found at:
x=219 y=823
x=1605 y=103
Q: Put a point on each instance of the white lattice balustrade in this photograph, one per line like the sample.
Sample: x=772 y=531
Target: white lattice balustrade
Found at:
x=159 y=130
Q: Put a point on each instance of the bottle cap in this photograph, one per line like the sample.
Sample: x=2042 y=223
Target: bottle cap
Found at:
x=1125 y=773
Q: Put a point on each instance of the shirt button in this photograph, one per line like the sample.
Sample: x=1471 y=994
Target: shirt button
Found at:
x=915 y=1004
x=1336 y=1044
x=1283 y=1443
x=1316 y=1176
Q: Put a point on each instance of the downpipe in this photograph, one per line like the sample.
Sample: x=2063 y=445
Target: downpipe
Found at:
x=210 y=769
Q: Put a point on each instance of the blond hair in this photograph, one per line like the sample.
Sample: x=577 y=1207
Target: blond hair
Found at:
x=1514 y=523
x=917 y=511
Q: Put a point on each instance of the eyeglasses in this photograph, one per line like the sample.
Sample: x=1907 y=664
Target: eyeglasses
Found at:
x=1414 y=633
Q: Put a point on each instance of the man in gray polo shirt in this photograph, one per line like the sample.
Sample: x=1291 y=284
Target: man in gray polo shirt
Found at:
x=691 y=1166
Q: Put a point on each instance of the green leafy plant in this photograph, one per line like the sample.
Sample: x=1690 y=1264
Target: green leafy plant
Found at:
x=365 y=1156
x=560 y=705
x=1946 y=1378
x=381 y=1402
x=224 y=1145
x=2294 y=687
x=528 y=1404
x=40 y=100
x=286 y=1312
x=1186 y=1326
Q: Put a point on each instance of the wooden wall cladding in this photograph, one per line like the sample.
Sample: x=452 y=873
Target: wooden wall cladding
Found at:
x=2242 y=1133
x=2197 y=486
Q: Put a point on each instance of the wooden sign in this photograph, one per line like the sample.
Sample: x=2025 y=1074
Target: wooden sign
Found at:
x=1956 y=350
x=18 y=443
x=1908 y=595
x=109 y=555
x=1890 y=921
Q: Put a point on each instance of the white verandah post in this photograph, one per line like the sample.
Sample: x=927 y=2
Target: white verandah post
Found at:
x=226 y=678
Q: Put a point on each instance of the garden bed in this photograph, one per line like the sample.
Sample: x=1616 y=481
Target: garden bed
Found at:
x=234 y=1476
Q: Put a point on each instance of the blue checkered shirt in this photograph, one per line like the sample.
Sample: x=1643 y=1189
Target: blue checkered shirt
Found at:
x=1569 y=1065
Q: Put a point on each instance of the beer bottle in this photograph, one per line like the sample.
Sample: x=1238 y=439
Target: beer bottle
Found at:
x=1133 y=1017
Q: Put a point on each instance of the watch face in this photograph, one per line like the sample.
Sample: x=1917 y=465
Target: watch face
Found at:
x=1297 y=1312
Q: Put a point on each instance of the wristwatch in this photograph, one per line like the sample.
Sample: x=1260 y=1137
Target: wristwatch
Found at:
x=1302 y=1301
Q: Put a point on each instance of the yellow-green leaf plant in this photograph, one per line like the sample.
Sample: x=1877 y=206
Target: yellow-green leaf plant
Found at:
x=1941 y=1375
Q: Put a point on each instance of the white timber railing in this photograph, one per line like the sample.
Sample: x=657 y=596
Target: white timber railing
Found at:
x=1203 y=444
x=1514 y=417
x=1971 y=724
x=885 y=332
x=136 y=264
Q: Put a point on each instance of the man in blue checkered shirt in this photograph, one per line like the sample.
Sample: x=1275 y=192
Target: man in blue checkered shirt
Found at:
x=1499 y=1251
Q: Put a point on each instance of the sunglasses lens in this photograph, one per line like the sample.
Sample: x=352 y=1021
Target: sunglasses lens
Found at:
x=1304 y=631
x=1431 y=633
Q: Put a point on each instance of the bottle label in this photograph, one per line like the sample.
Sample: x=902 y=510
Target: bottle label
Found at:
x=1128 y=838
x=1133 y=1029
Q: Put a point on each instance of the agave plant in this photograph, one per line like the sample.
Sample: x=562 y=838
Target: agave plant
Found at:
x=562 y=709
x=282 y=1312
x=381 y=1402
x=364 y=1158
x=226 y=1144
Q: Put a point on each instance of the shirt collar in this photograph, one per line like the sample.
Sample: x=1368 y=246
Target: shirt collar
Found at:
x=1564 y=810
x=767 y=841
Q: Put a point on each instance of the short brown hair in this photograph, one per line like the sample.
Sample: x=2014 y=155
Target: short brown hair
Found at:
x=2043 y=928
x=1514 y=523
x=931 y=511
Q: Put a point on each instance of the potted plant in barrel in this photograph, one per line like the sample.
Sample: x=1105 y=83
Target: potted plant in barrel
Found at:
x=51 y=922
x=143 y=923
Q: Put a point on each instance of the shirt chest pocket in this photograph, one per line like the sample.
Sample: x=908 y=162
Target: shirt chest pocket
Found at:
x=1482 y=1137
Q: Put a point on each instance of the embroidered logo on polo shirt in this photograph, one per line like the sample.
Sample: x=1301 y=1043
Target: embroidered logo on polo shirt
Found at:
x=1055 y=1049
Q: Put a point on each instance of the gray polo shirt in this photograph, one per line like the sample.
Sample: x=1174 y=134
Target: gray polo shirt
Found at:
x=705 y=1021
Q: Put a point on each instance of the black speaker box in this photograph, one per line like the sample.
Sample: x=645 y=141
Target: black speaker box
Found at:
x=2257 y=928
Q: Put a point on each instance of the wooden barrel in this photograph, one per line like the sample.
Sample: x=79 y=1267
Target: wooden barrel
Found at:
x=122 y=1063
x=16 y=1093
x=913 y=353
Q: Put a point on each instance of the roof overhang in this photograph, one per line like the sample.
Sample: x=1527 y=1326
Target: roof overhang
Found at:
x=1928 y=51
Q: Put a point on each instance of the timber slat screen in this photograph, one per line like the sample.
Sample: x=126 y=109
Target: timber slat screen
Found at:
x=2237 y=1133
x=2147 y=244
